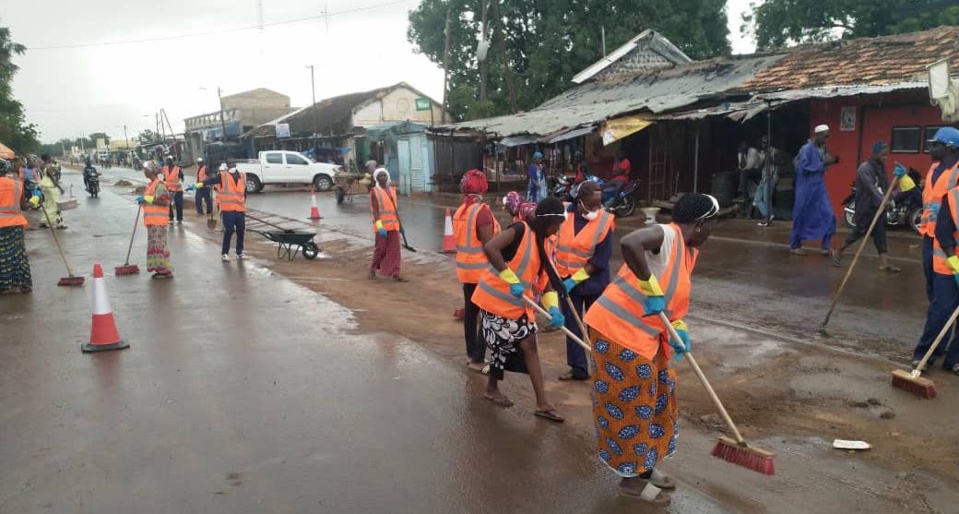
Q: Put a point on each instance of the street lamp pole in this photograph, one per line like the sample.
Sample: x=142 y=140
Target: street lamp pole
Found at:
x=219 y=94
x=316 y=125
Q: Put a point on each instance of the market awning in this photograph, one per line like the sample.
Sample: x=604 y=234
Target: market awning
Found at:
x=520 y=140
x=6 y=152
x=614 y=130
x=571 y=134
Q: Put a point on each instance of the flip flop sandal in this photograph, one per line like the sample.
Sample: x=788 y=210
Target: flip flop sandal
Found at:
x=661 y=480
x=502 y=401
x=650 y=494
x=550 y=414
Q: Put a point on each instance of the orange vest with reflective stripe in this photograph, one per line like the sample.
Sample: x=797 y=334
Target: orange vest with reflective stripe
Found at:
x=154 y=214
x=470 y=257
x=618 y=314
x=387 y=205
x=938 y=255
x=11 y=192
x=572 y=249
x=932 y=196
x=492 y=293
x=171 y=179
x=231 y=195
x=201 y=174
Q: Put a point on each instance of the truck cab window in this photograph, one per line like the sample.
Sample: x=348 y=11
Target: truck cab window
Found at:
x=274 y=158
x=295 y=159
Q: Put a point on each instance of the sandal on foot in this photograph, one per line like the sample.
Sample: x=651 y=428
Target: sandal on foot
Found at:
x=955 y=369
x=550 y=414
x=649 y=494
x=502 y=401
x=891 y=269
x=476 y=366
x=570 y=375
x=661 y=480
x=798 y=251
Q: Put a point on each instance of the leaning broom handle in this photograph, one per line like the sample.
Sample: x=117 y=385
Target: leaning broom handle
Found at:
x=572 y=308
x=880 y=212
x=136 y=223
x=564 y=329
x=53 y=232
x=935 y=344
x=702 y=378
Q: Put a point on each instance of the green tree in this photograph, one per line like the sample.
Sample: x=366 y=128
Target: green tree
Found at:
x=15 y=132
x=100 y=135
x=777 y=23
x=537 y=46
x=148 y=136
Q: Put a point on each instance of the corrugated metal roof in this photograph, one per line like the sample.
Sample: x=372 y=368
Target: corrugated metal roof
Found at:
x=648 y=37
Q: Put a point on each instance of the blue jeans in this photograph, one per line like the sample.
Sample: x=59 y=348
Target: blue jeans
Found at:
x=204 y=194
x=945 y=299
x=927 y=265
x=233 y=222
x=575 y=355
x=177 y=206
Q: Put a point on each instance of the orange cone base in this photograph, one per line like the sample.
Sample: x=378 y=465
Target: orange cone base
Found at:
x=315 y=214
x=91 y=348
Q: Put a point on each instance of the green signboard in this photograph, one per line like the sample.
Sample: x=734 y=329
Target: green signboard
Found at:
x=423 y=104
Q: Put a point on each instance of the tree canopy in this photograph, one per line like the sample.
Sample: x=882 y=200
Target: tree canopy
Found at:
x=15 y=132
x=537 y=47
x=779 y=23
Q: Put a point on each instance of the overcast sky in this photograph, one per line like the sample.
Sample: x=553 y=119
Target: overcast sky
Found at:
x=73 y=84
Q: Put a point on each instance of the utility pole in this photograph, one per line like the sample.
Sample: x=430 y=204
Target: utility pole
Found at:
x=446 y=61
x=219 y=94
x=483 y=66
x=316 y=124
x=602 y=33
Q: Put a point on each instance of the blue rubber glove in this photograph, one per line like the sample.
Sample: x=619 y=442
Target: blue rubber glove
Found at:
x=402 y=230
x=899 y=171
x=381 y=232
x=516 y=290
x=556 y=318
x=191 y=187
x=569 y=283
x=680 y=347
x=956 y=278
x=934 y=209
x=140 y=200
x=654 y=305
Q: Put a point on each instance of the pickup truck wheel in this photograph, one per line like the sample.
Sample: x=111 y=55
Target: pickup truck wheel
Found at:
x=253 y=184
x=322 y=183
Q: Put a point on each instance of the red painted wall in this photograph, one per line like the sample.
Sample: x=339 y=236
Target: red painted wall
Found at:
x=876 y=115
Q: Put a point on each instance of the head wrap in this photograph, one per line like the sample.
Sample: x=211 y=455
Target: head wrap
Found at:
x=474 y=182
x=537 y=155
x=822 y=128
x=526 y=210
x=381 y=171
x=879 y=146
x=223 y=167
x=512 y=201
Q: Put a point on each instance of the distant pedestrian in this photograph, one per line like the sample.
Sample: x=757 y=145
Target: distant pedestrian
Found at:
x=231 y=197
x=14 y=265
x=519 y=268
x=203 y=194
x=772 y=161
x=371 y=166
x=583 y=250
x=813 y=217
x=749 y=164
x=634 y=389
x=536 y=175
x=50 y=186
x=386 y=226
x=155 y=202
x=473 y=226
x=173 y=180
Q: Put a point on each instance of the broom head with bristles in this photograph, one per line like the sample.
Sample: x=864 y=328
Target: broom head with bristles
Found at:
x=760 y=461
x=922 y=387
x=70 y=281
x=126 y=269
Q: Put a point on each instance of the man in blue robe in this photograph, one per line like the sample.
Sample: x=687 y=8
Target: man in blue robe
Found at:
x=813 y=217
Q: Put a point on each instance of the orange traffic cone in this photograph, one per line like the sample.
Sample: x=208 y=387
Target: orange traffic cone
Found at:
x=103 y=333
x=314 y=210
x=449 y=244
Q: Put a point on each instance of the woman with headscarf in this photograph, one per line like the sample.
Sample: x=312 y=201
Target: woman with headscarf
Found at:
x=634 y=388
x=536 y=190
x=386 y=225
x=155 y=203
x=14 y=266
x=51 y=214
x=520 y=260
x=473 y=226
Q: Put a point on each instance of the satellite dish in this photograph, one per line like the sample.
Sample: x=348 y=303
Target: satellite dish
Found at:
x=481 y=50
x=943 y=90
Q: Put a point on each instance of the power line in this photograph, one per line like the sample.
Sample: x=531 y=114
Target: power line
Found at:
x=258 y=26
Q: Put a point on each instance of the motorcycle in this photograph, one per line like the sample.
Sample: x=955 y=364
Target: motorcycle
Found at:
x=564 y=189
x=903 y=209
x=93 y=183
x=621 y=204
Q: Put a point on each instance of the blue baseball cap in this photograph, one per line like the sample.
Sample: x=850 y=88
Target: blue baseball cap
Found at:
x=948 y=136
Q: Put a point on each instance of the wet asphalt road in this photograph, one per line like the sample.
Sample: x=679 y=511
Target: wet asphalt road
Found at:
x=243 y=392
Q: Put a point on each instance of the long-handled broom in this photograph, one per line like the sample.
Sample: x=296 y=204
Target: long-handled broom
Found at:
x=736 y=451
x=127 y=268
x=567 y=331
x=572 y=308
x=835 y=300
x=71 y=279
x=911 y=381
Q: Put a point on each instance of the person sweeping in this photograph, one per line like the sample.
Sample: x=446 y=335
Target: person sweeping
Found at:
x=231 y=197
x=386 y=225
x=14 y=265
x=203 y=194
x=519 y=270
x=155 y=203
x=473 y=226
x=634 y=389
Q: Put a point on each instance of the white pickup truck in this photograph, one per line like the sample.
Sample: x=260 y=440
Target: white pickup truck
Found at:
x=286 y=168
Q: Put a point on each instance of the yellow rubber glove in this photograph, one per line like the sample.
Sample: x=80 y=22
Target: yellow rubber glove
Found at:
x=550 y=299
x=679 y=325
x=953 y=263
x=378 y=224
x=651 y=287
x=149 y=199
x=906 y=183
x=515 y=287
x=580 y=275
x=199 y=185
x=34 y=201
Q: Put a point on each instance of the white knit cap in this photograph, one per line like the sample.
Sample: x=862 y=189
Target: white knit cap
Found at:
x=382 y=171
x=822 y=128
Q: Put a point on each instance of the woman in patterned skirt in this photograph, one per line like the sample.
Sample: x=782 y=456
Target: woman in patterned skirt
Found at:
x=154 y=203
x=634 y=389
x=14 y=266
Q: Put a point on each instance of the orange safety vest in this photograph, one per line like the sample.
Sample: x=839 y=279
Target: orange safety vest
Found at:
x=11 y=193
x=938 y=254
x=172 y=179
x=231 y=195
x=387 y=205
x=492 y=293
x=932 y=197
x=471 y=259
x=573 y=250
x=154 y=214
x=201 y=174
x=619 y=315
